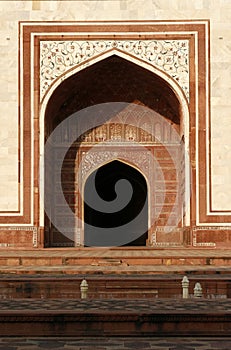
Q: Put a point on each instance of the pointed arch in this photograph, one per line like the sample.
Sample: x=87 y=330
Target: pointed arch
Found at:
x=144 y=65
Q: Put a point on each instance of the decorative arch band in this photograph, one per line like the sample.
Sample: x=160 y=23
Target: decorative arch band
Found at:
x=168 y=56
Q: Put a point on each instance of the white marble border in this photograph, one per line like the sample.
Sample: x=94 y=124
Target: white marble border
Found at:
x=20 y=174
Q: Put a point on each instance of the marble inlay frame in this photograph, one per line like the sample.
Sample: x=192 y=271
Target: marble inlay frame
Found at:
x=57 y=57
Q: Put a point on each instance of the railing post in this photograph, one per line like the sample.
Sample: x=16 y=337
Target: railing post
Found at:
x=197 y=290
x=83 y=289
x=185 y=286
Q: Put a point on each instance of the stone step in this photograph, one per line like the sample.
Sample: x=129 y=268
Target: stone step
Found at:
x=94 y=318
x=165 y=258
x=116 y=270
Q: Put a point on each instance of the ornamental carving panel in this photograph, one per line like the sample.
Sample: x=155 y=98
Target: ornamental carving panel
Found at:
x=95 y=158
x=138 y=131
x=169 y=56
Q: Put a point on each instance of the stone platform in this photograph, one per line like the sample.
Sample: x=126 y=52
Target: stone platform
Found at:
x=130 y=273
x=132 y=293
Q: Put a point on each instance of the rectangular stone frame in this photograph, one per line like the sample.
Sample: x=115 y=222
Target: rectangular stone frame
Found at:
x=202 y=218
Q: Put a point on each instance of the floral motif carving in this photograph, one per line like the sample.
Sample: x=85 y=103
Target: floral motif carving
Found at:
x=94 y=159
x=170 y=56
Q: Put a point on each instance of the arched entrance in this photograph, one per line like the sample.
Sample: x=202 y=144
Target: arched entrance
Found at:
x=112 y=80
x=119 y=222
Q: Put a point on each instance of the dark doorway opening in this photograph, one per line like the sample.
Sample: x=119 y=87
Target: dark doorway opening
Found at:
x=131 y=222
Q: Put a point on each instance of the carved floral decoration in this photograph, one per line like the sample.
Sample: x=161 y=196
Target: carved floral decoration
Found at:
x=169 y=56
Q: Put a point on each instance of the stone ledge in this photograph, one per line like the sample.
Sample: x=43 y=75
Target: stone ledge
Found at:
x=115 y=318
